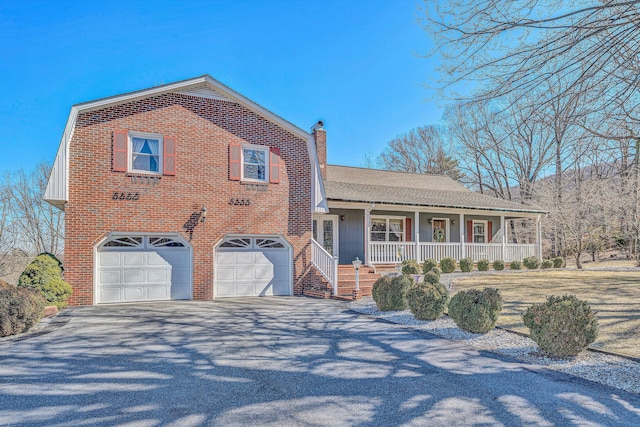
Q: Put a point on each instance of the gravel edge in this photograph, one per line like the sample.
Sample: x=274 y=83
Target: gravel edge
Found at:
x=613 y=371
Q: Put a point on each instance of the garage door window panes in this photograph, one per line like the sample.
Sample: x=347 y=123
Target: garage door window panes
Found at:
x=236 y=243
x=124 y=242
x=165 y=242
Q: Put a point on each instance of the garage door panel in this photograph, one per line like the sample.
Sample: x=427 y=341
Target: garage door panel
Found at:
x=133 y=276
x=252 y=270
x=154 y=258
x=243 y=273
x=108 y=294
x=244 y=258
x=133 y=259
x=110 y=276
x=143 y=273
x=109 y=259
x=159 y=275
x=133 y=293
x=158 y=292
x=263 y=272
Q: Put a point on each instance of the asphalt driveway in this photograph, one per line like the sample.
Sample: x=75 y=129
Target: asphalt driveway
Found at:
x=277 y=361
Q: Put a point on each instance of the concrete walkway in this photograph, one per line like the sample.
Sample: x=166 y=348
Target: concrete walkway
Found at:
x=280 y=362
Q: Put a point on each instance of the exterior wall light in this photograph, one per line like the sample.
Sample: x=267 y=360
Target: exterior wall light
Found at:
x=203 y=214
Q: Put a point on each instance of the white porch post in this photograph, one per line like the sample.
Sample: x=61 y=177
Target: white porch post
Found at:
x=462 y=229
x=417 y=236
x=367 y=236
x=539 y=237
x=503 y=237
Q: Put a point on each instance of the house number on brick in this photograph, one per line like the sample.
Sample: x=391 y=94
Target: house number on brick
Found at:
x=118 y=195
x=239 y=202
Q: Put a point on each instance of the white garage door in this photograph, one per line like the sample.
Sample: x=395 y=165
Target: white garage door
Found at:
x=143 y=268
x=252 y=266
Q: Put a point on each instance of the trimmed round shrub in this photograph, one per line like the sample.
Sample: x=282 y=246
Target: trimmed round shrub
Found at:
x=429 y=265
x=531 y=263
x=448 y=265
x=562 y=326
x=20 y=309
x=466 y=265
x=498 y=265
x=476 y=311
x=410 y=266
x=432 y=277
x=547 y=263
x=515 y=265
x=427 y=301
x=483 y=265
x=558 y=262
x=45 y=275
x=388 y=293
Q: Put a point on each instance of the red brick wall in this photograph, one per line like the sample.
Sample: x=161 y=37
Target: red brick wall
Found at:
x=203 y=128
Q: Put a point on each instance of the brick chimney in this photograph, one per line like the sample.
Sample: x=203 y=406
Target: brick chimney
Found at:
x=320 y=136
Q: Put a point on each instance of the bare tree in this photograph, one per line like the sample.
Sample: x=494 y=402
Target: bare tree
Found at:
x=38 y=225
x=519 y=46
x=421 y=150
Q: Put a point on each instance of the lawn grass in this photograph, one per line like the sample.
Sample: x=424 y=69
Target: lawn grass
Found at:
x=615 y=295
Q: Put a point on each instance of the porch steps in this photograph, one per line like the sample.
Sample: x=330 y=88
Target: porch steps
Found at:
x=347 y=280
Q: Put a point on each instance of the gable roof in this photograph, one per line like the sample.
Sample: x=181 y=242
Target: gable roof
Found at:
x=205 y=86
x=351 y=184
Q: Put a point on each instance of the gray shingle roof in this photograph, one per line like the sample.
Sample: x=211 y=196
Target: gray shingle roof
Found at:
x=380 y=186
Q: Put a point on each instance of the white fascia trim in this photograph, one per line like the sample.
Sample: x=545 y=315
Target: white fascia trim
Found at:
x=335 y=204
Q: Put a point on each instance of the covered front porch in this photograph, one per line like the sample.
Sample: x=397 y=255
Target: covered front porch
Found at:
x=390 y=234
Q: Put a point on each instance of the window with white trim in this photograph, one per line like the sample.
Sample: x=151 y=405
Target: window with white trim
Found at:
x=387 y=229
x=479 y=229
x=255 y=161
x=145 y=152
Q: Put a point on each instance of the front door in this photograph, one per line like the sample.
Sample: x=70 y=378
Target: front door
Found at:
x=325 y=232
x=440 y=231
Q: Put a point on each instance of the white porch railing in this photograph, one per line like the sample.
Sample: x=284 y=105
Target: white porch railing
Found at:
x=518 y=252
x=396 y=252
x=326 y=264
x=478 y=251
x=438 y=251
x=391 y=252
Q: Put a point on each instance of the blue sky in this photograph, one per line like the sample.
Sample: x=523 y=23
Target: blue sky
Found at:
x=354 y=64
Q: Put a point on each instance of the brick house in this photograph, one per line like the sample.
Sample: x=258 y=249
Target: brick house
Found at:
x=192 y=191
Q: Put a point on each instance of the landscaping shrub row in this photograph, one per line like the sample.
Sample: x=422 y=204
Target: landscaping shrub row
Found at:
x=562 y=326
x=448 y=265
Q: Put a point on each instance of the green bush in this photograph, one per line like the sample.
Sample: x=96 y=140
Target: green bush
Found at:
x=20 y=309
x=466 y=265
x=515 y=265
x=428 y=265
x=410 y=266
x=483 y=265
x=531 y=263
x=547 y=263
x=432 y=277
x=448 y=265
x=388 y=293
x=562 y=326
x=45 y=274
x=476 y=311
x=558 y=262
x=498 y=265
x=427 y=301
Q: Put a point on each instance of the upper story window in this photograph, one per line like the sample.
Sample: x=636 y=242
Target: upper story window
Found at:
x=143 y=153
x=146 y=153
x=254 y=163
x=387 y=229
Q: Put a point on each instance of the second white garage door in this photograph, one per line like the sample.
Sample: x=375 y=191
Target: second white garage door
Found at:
x=252 y=266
